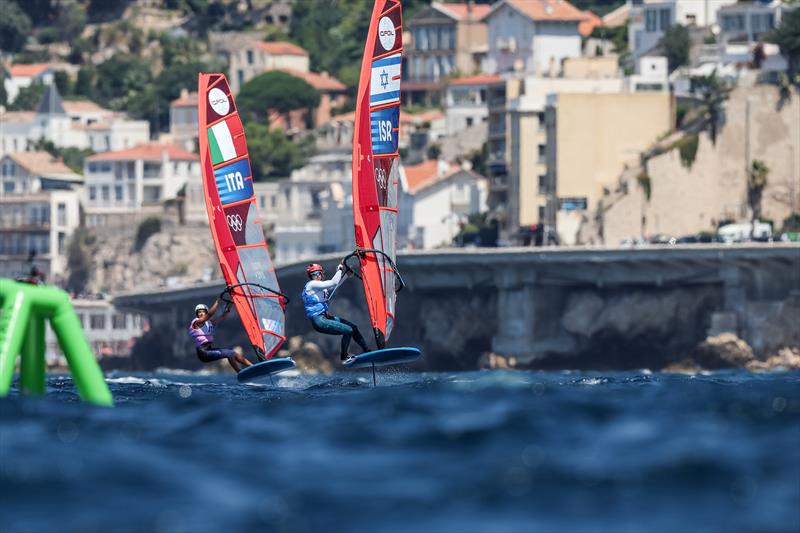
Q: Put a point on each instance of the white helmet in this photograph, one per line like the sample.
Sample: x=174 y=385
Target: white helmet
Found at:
x=199 y=307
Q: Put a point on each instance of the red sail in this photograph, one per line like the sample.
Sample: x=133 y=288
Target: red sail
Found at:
x=376 y=163
x=232 y=215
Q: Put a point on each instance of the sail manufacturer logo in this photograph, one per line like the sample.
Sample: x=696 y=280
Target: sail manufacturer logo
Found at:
x=386 y=34
x=219 y=101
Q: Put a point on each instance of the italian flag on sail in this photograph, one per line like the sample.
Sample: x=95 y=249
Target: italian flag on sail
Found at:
x=226 y=140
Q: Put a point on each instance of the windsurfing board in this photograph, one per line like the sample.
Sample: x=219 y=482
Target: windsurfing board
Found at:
x=265 y=368
x=385 y=357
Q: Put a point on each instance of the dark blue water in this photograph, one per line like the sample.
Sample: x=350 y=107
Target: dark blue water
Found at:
x=484 y=451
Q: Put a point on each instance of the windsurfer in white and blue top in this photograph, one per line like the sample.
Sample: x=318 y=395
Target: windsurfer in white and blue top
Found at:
x=316 y=296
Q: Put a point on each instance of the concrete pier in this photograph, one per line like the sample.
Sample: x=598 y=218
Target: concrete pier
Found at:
x=553 y=307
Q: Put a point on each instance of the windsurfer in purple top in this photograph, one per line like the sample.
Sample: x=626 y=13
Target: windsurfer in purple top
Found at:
x=201 y=330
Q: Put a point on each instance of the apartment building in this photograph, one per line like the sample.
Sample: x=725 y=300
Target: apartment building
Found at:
x=591 y=136
x=436 y=199
x=126 y=184
x=466 y=102
x=650 y=19
x=77 y=124
x=533 y=36
x=183 y=120
x=247 y=56
x=445 y=38
x=18 y=77
x=39 y=211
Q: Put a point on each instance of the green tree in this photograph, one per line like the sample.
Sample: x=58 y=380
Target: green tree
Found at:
x=72 y=157
x=434 y=151
x=676 y=46
x=787 y=37
x=713 y=91
x=275 y=90
x=756 y=182
x=79 y=263
x=63 y=83
x=3 y=93
x=272 y=154
x=28 y=97
x=120 y=79
x=84 y=83
x=15 y=26
x=70 y=21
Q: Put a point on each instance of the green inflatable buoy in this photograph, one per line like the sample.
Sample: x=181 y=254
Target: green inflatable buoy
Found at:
x=25 y=308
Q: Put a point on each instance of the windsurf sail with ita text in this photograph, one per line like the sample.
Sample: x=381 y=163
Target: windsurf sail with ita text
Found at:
x=235 y=227
x=376 y=165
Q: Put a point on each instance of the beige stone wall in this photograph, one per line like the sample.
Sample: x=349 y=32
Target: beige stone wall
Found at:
x=469 y=37
x=591 y=67
x=597 y=133
x=688 y=200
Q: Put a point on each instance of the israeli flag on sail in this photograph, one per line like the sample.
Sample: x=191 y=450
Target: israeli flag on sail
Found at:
x=384 y=87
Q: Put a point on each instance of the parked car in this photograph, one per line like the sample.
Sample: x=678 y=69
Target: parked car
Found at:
x=741 y=232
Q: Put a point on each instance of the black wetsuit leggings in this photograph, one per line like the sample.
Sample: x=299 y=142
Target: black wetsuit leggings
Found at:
x=207 y=353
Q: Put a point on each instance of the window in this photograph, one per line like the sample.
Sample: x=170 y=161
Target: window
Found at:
x=542 y=152
x=262 y=201
x=97 y=321
x=8 y=186
x=664 y=19
x=541 y=213
x=469 y=122
x=92 y=192
x=650 y=20
x=61 y=209
x=118 y=193
x=152 y=170
x=542 y=184
x=118 y=321
x=62 y=240
x=82 y=319
x=240 y=76
x=540 y=116
x=106 y=193
x=249 y=57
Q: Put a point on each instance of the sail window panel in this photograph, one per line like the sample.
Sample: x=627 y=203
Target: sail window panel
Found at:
x=257 y=267
x=394 y=179
x=254 y=233
x=270 y=314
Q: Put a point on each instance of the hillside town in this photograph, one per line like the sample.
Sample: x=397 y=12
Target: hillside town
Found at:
x=524 y=123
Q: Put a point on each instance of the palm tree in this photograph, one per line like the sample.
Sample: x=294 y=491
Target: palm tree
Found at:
x=757 y=181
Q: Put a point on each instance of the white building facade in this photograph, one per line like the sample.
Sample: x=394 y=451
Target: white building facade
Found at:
x=532 y=36
x=39 y=211
x=133 y=182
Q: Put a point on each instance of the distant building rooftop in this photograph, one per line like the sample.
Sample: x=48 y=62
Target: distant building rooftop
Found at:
x=186 y=99
x=146 y=152
x=43 y=164
x=321 y=82
x=28 y=71
x=480 y=79
x=282 y=48
x=461 y=11
x=544 y=10
x=83 y=106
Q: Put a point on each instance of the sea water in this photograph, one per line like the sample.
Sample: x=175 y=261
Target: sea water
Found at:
x=480 y=451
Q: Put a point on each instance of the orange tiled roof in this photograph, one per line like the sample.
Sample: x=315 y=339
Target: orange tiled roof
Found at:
x=587 y=25
x=321 y=82
x=18 y=116
x=418 y=175
x=544 y=10
x=32 y=70
x=282 y=48
x=42 y=163
x=83 y=106
x=185 y=101
x=147 y=152
x=480 y=79
x=418 y=118
x=461 y=11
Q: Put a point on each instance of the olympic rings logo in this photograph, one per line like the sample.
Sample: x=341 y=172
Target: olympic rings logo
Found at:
x=235 y=222
x=381 y=178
